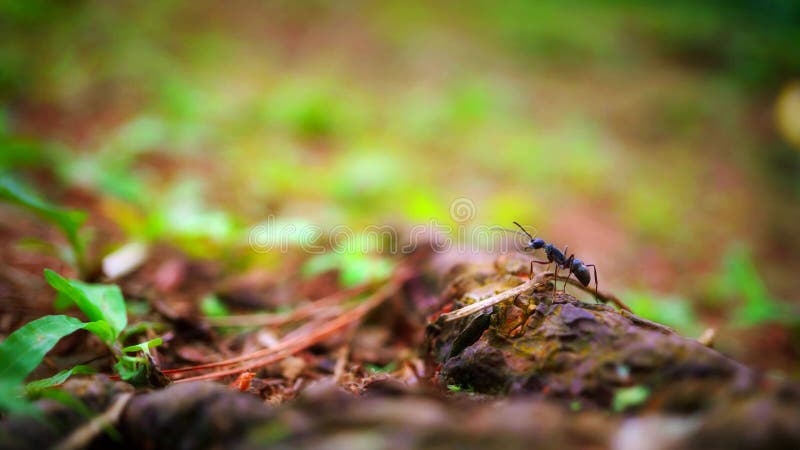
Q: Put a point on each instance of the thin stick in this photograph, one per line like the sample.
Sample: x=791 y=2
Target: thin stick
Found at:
x=498 y=298
x=238 y=359
x=81 y=437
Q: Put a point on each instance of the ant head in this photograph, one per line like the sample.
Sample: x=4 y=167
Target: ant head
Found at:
x=535 y=243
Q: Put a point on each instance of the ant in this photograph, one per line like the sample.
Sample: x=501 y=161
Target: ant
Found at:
x=554 y=255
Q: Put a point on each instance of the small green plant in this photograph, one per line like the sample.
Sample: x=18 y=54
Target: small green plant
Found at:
x=458 y=388
x=630 y=397
x=212 y=306
x=67 y=220
x=388 y=368
x=740 y=278
x=671 y=310
x=24 y=349
x=357 y=260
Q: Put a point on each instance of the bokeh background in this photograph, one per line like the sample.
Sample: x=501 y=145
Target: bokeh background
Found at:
x=659 y=141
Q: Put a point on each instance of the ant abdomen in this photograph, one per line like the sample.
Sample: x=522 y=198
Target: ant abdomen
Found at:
x=582 y=274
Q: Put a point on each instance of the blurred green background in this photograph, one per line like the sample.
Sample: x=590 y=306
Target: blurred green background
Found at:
x=660 y=141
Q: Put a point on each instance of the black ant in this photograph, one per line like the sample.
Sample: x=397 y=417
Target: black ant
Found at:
x=554 y=255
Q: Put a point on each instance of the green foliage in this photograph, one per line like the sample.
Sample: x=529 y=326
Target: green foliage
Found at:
x=136 y=369
x=212 y=306
x=182 y=215
x=25 y=348
x=309 y=108
x=105 y=305
x=18 y=152
x=144 y=346
x=672 y=311
x=740 y=278
x=357 y=258
x=458 y=388
x=100 y=302
x=358 y=269
x=629 y=397
x=68 y=221
x=36 y=387
x=388 y=368
x=354 y=268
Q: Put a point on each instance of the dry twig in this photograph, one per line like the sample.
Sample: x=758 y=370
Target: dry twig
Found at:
x=296 y=344
x=83 y=436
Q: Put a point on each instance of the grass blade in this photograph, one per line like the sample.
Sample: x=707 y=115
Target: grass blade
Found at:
x=35 y=387
x=98 y=301
x=68 y=220
x=25 y=348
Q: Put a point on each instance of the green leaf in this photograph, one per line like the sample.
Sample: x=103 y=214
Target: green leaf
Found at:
x=24 y=349
x=19 y=152
x=212 y=306
x=358 y=269
x=41 y=246
x=144 y=346
x=103 y=330
x=670 y=310
x=62 y=302
x=742 y=278
x=69 y=221
x=140 y=327
x=388 y=368
x=12 y=402
x=318 y=264
x=354 y=268
x=133 y=370
x=98 y=301
x=35 y=387
x=629 y=397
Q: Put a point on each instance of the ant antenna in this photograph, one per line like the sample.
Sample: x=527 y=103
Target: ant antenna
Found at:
x=523 y=230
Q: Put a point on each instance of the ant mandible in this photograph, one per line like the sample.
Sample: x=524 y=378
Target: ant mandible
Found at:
x=554 y=255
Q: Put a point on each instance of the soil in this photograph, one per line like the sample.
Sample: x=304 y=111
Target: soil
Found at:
x=544 y=369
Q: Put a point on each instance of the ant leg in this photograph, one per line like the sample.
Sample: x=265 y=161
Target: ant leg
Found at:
x=555 y=281
x=595 y=281
x=530 y=276
x=569 y=266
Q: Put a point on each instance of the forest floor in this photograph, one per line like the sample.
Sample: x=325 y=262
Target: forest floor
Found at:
x=627 y=132
x=379 y=365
